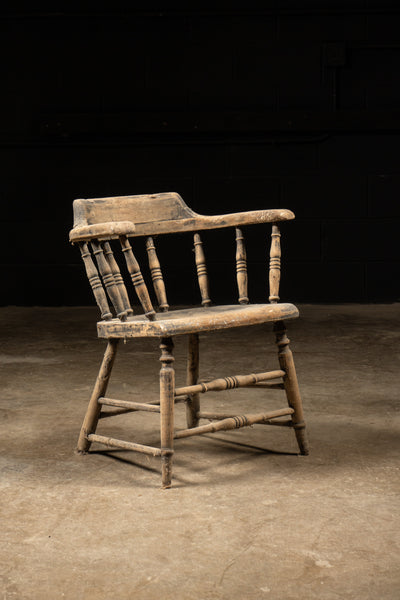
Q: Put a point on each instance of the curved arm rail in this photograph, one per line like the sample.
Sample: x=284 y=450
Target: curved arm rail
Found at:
x=202 y=222
x=99 y=231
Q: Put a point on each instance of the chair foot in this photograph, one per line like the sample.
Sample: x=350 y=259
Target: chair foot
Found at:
x=166 y=471
x=80 y=452
x=302 y=439
x=84 y=444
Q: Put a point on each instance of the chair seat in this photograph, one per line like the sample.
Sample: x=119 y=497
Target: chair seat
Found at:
x=192 y=320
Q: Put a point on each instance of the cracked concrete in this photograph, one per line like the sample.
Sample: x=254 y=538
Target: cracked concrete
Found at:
x=247 y=518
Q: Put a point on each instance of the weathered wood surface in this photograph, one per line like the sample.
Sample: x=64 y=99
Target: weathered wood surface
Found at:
x=167 y=386
x=95 y=282
x=201 y=269
x=229 y=383
x=119 y=282
x=115 y=443
x=210 y=416
x=275 y=265
x=93 y=411
x=100 y=231
x=137 y=278
x=290 y=382
x=102 y=219
x=241 y=267
x=235 y=422
x=156 y=275
x=193 y=320
x=192 y=375
x=108 y=280
x=153 y=214
x=132 y=406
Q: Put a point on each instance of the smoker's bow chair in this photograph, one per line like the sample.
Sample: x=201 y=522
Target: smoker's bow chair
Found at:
x=101 y=220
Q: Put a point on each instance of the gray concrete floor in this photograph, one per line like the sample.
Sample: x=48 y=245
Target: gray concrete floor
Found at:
x=248 y=520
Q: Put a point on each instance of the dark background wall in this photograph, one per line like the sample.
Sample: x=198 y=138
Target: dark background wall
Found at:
x=295 y=104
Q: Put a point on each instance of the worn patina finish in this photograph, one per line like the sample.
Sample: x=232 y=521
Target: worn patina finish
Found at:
x=98 y=226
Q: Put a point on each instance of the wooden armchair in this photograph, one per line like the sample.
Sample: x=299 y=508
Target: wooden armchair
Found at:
x=102 y=224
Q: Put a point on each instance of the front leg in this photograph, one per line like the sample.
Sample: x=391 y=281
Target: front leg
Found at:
x=291 y=385
x=167 y=397
x=94 y=408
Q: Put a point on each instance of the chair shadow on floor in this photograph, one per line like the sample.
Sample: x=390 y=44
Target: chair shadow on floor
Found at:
x=228 y=451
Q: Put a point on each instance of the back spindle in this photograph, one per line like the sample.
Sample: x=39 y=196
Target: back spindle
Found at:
x=137 y=278
x=95 y=282
x=241 y=267
x=119 y=282
x=201 y=270
x=156 y=275
x=275 y=265
x=108 y=280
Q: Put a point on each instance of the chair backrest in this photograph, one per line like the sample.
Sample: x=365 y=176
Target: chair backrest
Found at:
x=98 y=221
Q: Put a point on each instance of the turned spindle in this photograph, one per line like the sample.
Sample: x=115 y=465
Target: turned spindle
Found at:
x=233 y=422
x=201 y=270
x=137 y=278
x=275 y=265
x=108 y=280
x=241 y=267
x=119 y=282
x=156 y=275
x=95 y=283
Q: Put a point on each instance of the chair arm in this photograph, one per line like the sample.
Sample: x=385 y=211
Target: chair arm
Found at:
x=201 y=222
x=106 y=231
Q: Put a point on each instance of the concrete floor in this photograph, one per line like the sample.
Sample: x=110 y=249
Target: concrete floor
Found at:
x=248 y=521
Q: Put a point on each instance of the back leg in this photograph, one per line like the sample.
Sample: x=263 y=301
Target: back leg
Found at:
x=193 y=403
x=291 y=385
x=94 y=408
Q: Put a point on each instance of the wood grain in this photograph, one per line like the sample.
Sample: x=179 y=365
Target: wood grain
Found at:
x=99 y=220
x=156 y=275
x=198 y=320
x=192 y=374
x=154 y=214
x=241 y=267
x=201 y=269
x=95 y=282
x=275 y=264
x=137 y=278
x=167 y=386
x=119 y=282
x=93 y=411
x=290 y=382
x=108 y=280
x=235 y=422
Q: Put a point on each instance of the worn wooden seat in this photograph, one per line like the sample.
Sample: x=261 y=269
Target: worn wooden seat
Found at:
x=194 y=320
x=104 y=229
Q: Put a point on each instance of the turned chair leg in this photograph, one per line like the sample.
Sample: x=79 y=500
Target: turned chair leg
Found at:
x=193 y=402
x=291 y=385
x=94 y=408
x=167 y=396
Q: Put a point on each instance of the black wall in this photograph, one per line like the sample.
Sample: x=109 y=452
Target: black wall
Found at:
x=293 y=105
